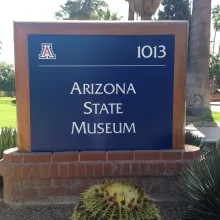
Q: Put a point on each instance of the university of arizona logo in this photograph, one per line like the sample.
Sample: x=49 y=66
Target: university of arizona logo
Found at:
x=46 y=51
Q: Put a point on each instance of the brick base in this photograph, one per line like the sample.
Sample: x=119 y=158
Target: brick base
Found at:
x=59 y=178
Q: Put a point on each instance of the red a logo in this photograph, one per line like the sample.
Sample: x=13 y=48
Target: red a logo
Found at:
x=46 y=51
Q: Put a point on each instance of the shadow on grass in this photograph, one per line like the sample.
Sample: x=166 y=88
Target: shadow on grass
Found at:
x=13 y=101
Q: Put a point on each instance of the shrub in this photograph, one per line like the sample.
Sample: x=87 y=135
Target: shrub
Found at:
x=192 y=139
x=199 y=188
x=115 y=200
x=2 y=94
x=8 y=139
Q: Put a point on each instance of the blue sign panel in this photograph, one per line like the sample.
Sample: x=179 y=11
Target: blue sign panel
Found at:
x=101 y=92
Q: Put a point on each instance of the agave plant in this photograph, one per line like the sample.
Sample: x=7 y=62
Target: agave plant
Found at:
x=192 y=139
x=115 y=200
x=145 y=8
x=8 y=139
x=199 y=188
x=195 y=140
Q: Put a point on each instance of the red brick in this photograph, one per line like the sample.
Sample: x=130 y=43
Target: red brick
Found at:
x=178 y=168
x=172 y=155
x=153 y=169
x=59 y=182
x=170 y=168
x=45 y=171
x=37 y=158
x=36 y=172
x=12 y=156
x=2 y=168
x=147 y=155
x=64 y=170
x=16 y=183
x=126 y=169
x=144 y=169
x=73 y=191
x=70 y=182
x=65 y=157
x=90 y=170
x=98 y=169
x=54 y=171
x=188 y=155
x=17 y=172
x=107 y=169
x=6 y=157
x=197 y=153
x=55 y=191
x=27 y=172
x=93 y=156
x=72 y=170
x=8 y=171
x=135 y=169
x=116 y=169
x=120 y=155
x=16 y=194
x=33 y=183
x=16 y=158
x=29 y=194
x=6 y=188
x=81 y=170
x=162 y=168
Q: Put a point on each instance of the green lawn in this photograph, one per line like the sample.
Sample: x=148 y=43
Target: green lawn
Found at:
x=214 y=117
x=7 y=112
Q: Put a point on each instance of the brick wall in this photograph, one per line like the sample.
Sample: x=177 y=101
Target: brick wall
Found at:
x=58 y=178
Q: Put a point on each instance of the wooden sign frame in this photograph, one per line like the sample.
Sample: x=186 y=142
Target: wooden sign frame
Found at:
x=23 y=29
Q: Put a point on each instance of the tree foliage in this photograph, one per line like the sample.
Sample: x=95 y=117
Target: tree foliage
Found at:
x=216 y=23
x=81 y=10
x=214 y=70
x=109 y=15
x=0 y=47
x=175 y=10
x=216 y=17
x=7 y=77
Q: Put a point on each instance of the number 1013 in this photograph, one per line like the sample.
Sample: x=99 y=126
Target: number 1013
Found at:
x=152 y=52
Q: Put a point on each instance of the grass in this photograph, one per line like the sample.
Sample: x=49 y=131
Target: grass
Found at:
x=214 y=117
x=7 y=112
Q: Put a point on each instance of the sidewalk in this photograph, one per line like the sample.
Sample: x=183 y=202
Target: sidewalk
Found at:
x=210 y=133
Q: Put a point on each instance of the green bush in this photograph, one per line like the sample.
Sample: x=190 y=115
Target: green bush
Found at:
x=2 y=94
x=8 y=139
x=199 y=188
x=115 y=200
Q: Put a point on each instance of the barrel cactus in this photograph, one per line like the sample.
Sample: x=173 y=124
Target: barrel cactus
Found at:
x=115 y=201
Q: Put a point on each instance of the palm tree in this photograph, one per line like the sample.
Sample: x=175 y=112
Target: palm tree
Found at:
x=130 y=13
x=80 y=9
x=108 y=15
x=0 y=46
x=216 y=22
x=145 y=8
x=198 y=62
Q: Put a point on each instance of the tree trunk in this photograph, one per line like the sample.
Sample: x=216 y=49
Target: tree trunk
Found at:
x=130 y=14
x=146 y=17
x=198 y=62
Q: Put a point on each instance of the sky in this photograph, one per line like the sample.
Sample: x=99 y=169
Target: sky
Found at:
x=40 y=10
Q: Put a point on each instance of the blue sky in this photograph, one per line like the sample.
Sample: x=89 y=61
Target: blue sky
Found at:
x=40 y=10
